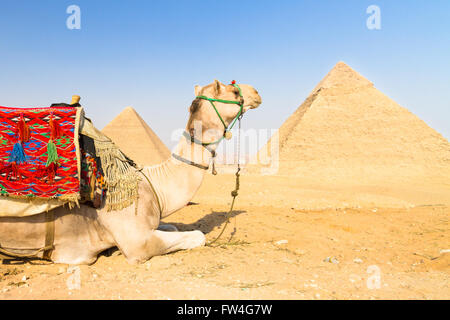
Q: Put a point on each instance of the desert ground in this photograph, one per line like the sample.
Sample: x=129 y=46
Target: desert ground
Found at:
x=273 y=248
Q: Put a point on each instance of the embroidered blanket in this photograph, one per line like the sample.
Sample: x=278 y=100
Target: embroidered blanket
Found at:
x=39 y=153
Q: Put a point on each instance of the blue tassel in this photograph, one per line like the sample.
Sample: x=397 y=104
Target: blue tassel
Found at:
x=17 y=154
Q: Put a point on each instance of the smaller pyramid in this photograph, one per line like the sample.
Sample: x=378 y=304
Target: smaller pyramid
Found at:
x=135 y=138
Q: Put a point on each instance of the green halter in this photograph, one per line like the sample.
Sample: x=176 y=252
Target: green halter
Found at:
x=227 y=128
x=207 y=145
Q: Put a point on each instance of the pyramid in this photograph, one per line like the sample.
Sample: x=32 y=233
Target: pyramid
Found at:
x=348 y=133
x=135 y=138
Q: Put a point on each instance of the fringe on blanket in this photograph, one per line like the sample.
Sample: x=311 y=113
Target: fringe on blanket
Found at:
x=121 y=177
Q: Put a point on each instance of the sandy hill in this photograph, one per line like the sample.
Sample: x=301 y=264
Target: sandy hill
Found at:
x=348 y=133
x=135 y=138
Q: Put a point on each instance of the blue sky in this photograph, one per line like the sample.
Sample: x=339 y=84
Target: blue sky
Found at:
x=150 y=54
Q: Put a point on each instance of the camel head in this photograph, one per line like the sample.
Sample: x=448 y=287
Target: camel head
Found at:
x=216 y=108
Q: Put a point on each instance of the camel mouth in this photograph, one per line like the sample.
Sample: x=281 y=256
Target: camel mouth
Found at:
x=256 y=103
x=256 y=100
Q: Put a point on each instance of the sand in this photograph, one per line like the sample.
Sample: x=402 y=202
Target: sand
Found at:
x=404 y=245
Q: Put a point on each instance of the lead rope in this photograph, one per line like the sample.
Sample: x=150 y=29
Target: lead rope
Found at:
x=234 y=193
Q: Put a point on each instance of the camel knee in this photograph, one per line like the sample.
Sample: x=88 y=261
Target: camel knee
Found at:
x=136 y=260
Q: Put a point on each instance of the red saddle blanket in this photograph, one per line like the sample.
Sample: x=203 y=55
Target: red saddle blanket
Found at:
x=39 y=153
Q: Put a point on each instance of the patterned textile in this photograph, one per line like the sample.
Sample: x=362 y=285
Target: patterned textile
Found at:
x=92 y=181
x=39 y=157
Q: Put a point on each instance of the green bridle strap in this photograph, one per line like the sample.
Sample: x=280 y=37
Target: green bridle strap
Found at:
x=211 y=100
x=227 y=128
x=218 y=100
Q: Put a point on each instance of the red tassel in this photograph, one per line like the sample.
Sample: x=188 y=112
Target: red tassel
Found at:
x=17 y=175
x=55 y=129
x=11 y=170
x=47 y=173
x=51 y=172
x=23 y=130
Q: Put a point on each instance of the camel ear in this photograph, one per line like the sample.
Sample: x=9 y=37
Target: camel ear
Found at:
x=217 y=87
x=197 y=90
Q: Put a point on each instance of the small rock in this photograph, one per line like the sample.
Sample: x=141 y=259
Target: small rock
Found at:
x=317 y=295
x=444 y=251
x=331 y=260
x=25 y=278
x=374 y=210
x=280 y=242
x=357 y=260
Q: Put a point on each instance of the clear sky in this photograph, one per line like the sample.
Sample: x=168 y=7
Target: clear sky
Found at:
x=150 y=54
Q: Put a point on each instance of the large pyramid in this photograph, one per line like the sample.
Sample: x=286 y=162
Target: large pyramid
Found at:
x=348 y=133
x=135 y=138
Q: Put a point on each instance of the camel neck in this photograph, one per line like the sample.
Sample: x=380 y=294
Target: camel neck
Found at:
x=175 y=181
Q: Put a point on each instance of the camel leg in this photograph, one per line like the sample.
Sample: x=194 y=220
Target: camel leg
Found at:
x=67 y=258
x=174 y=241
x=163 y=242
x=167 y=227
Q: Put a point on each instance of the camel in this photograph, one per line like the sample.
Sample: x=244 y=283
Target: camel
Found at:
x=81 y=233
